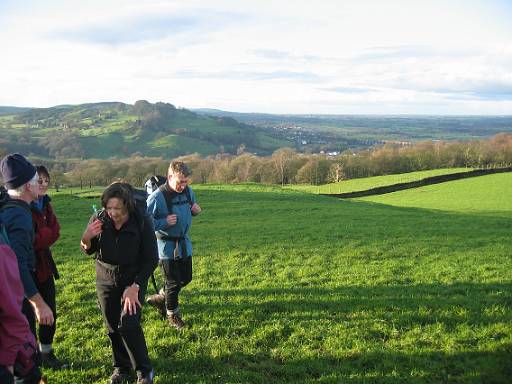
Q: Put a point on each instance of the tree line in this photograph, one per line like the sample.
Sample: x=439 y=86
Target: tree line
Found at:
x=286 y=166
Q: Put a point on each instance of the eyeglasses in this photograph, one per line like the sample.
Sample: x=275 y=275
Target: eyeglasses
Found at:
x=43 y=181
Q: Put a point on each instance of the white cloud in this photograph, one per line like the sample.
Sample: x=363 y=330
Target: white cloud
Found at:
x=268 y=56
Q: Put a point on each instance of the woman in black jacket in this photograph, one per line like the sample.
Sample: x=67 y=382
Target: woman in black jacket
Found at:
x=124 y=242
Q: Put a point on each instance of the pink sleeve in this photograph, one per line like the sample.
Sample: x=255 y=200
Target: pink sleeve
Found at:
x=14 y=328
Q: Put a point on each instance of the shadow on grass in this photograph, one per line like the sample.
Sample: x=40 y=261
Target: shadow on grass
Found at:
x=367 y=367
x=404 y=304
x=360 y=310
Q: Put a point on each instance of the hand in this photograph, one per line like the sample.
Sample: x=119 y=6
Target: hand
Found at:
x=42 y=311
x=10 y=368
x=196 y=209
x=172 y=219
x=131 y=299
x=92 y=230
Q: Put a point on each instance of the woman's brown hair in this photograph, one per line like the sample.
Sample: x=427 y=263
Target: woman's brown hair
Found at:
x=122 y=191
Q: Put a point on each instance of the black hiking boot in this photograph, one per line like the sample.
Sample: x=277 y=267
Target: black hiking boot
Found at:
x=120 y=376
x=157 y=301
x=145 y=378
x=175 y=320
x=49 y=360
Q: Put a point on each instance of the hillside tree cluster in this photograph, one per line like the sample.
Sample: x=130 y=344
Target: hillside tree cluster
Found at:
x=286 y=166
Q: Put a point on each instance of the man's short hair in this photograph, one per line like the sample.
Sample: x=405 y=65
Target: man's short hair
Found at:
x=178 y=167
x=17 y=192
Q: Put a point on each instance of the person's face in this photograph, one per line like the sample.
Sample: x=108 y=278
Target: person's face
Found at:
x=116 y=209
x=32 y=188
x=43 y=181
x=177 y=182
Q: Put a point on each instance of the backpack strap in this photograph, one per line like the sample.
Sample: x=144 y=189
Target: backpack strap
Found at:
x=4 y=239
x=187 y=193
x=169 y=195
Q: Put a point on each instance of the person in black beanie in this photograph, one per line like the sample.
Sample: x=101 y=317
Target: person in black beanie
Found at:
x=20 y=180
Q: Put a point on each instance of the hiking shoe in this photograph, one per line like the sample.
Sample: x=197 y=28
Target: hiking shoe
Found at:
x=145 y=378
x=49 y=360
x=175 y=320
x=120 y=376
x=157 y=301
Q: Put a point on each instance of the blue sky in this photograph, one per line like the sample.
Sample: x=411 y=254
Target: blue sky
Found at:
x=273 y=56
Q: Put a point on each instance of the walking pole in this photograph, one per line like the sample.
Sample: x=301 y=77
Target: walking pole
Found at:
x=154 y=282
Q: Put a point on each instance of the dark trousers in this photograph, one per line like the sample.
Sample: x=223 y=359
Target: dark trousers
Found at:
x=28 y=311
x=35 y=374
x=47 y=291
x=125 y=332
x=177 y=274
x=32 y=377
x=5 y=376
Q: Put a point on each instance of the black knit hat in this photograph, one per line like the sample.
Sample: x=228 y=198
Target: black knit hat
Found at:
x=16 y=170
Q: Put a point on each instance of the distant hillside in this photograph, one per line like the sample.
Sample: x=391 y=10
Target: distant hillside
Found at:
x=103 y=130
x=12 y=110
x=371 y=129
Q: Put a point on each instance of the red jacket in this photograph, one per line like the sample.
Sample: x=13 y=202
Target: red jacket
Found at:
x=47 y=231
x=14 y=328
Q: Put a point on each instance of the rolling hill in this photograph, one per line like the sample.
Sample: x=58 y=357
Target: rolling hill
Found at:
x=103 y=130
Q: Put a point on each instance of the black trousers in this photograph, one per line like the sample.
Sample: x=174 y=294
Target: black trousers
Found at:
x=47 y=291
x=28 y=311
x=177 y=274
x=125 y=332
x=32 y=377
x=6 y=377
x=35 y=374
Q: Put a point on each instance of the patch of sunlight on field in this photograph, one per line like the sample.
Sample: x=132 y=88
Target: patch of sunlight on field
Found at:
x=486 y=194
x=376 y=181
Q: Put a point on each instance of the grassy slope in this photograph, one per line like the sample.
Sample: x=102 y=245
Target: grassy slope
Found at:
x=485 y=194
x=296 y=288
x=363 y=184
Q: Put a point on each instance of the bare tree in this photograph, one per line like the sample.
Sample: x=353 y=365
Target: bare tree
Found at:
x=282 y=159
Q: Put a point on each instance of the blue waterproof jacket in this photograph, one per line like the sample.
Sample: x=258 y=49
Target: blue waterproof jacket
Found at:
x=17 y=220
x=172 y=237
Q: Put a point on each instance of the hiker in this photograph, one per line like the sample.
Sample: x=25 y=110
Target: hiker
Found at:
x=17 y=343
x=172 y=207
x=124 y=244
x=20 y=180
x=47 y=231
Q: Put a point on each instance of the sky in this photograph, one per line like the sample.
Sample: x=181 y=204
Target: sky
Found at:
x=271 y=56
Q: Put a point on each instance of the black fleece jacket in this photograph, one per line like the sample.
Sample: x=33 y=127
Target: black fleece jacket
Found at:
x=134 y=245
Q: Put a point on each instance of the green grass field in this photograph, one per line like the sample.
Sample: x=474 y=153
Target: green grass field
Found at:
x=289 y=287
x=485 y=195
x=353 y=185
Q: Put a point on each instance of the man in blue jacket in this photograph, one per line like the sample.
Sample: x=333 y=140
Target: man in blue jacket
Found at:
x=172 y=206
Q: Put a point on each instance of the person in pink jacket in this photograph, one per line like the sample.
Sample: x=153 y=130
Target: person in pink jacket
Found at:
x=17 y=342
